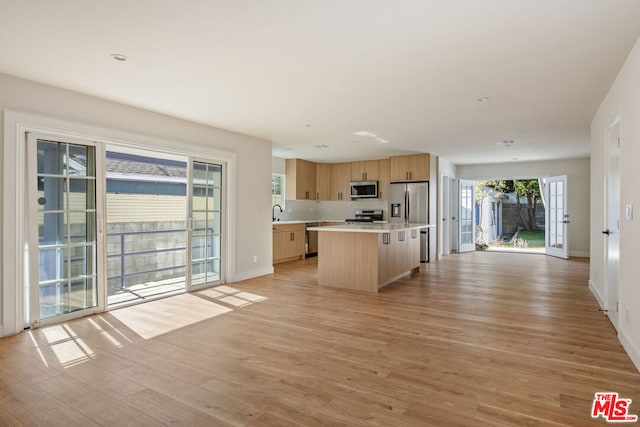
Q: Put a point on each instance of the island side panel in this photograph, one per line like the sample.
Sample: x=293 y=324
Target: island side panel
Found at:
x=366 y=266
x=348 y=260
x=336 y=256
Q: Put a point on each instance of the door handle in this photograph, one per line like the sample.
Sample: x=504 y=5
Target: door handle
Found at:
x=607 y=232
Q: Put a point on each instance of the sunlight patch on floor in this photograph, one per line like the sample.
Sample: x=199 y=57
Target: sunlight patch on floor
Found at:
x=155 y=318
x=67 y=346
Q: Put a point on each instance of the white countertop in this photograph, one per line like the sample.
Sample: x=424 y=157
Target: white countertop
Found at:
x=369 y=227
x=307 y=221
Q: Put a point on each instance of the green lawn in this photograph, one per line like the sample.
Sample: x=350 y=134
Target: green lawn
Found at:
x=534 y=237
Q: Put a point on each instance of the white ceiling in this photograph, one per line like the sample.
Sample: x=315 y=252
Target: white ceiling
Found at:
x=408 y=71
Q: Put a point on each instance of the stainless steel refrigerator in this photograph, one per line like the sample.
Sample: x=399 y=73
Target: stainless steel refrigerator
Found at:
x=409 y=204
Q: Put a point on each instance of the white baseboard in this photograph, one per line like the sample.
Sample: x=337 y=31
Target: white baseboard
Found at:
x=579 y=254
x=596 y=294
x=250 y=274
x=630 y=348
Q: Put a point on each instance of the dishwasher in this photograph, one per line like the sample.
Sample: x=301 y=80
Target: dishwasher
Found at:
x=311 y=240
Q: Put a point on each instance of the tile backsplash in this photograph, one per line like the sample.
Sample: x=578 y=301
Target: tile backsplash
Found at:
x=296 y=210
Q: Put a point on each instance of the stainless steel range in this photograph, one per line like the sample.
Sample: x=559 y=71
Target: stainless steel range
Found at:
x=365 y=215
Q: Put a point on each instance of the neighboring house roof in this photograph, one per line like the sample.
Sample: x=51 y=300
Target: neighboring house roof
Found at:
x=120 y=165
x=123 y=166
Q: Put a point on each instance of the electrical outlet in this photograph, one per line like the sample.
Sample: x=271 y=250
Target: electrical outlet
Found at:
x=255 y=258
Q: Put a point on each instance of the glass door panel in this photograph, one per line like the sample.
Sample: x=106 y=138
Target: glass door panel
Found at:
x=206 y=223
x=557 y=217
x=467 y=227
x=64 y=228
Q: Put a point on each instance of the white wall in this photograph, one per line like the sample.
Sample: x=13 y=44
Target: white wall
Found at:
x=278 y=165
x=447 y=168
x=623 y=102
x=578 y=181
x=252 y=158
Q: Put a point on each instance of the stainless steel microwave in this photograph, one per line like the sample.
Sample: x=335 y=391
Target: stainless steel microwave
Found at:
x=364 y=189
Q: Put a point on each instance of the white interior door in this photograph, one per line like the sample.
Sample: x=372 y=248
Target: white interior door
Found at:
x=466 y=215
x=557 y=218
x=612 y=232
x=446 y=216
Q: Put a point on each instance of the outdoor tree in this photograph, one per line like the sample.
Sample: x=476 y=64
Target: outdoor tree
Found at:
x=530 y=190
x=527 y=188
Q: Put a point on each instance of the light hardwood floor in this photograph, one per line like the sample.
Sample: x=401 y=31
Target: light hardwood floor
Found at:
x=475 y=339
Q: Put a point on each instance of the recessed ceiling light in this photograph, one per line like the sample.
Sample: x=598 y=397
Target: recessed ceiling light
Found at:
x=308 y=125
x=515 y=158
x=483 y=99
x=506 y=142
x=355 y=142
x=119 y=57
x=320 y=147
x=365 y=133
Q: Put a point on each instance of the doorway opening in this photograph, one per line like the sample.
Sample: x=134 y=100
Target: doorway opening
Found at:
x=514 y=215
x=146 y=208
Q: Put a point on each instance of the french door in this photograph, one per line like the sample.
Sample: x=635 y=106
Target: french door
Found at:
x=467 y=232
x=556 y=238
x=205 y=224
x=65 y=235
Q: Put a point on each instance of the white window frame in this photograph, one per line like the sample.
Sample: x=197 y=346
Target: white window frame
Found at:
x=282 y=188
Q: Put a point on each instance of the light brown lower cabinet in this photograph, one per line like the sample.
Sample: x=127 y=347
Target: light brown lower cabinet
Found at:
x=288 y=242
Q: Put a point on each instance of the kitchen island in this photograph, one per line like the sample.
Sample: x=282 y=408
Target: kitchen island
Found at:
x=367 y=257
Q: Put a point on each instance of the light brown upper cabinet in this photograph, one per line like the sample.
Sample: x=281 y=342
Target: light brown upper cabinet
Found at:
x=340 y=180
x=300 y=180
x=384 y=179
x=323 y=181
x=367 y=170
x=410 y=168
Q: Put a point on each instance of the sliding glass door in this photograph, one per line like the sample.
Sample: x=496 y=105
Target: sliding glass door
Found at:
x=64 y=235
x=151 y=246
x=205 y=224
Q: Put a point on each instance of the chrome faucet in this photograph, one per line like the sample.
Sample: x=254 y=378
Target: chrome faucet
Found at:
x=273 y=211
